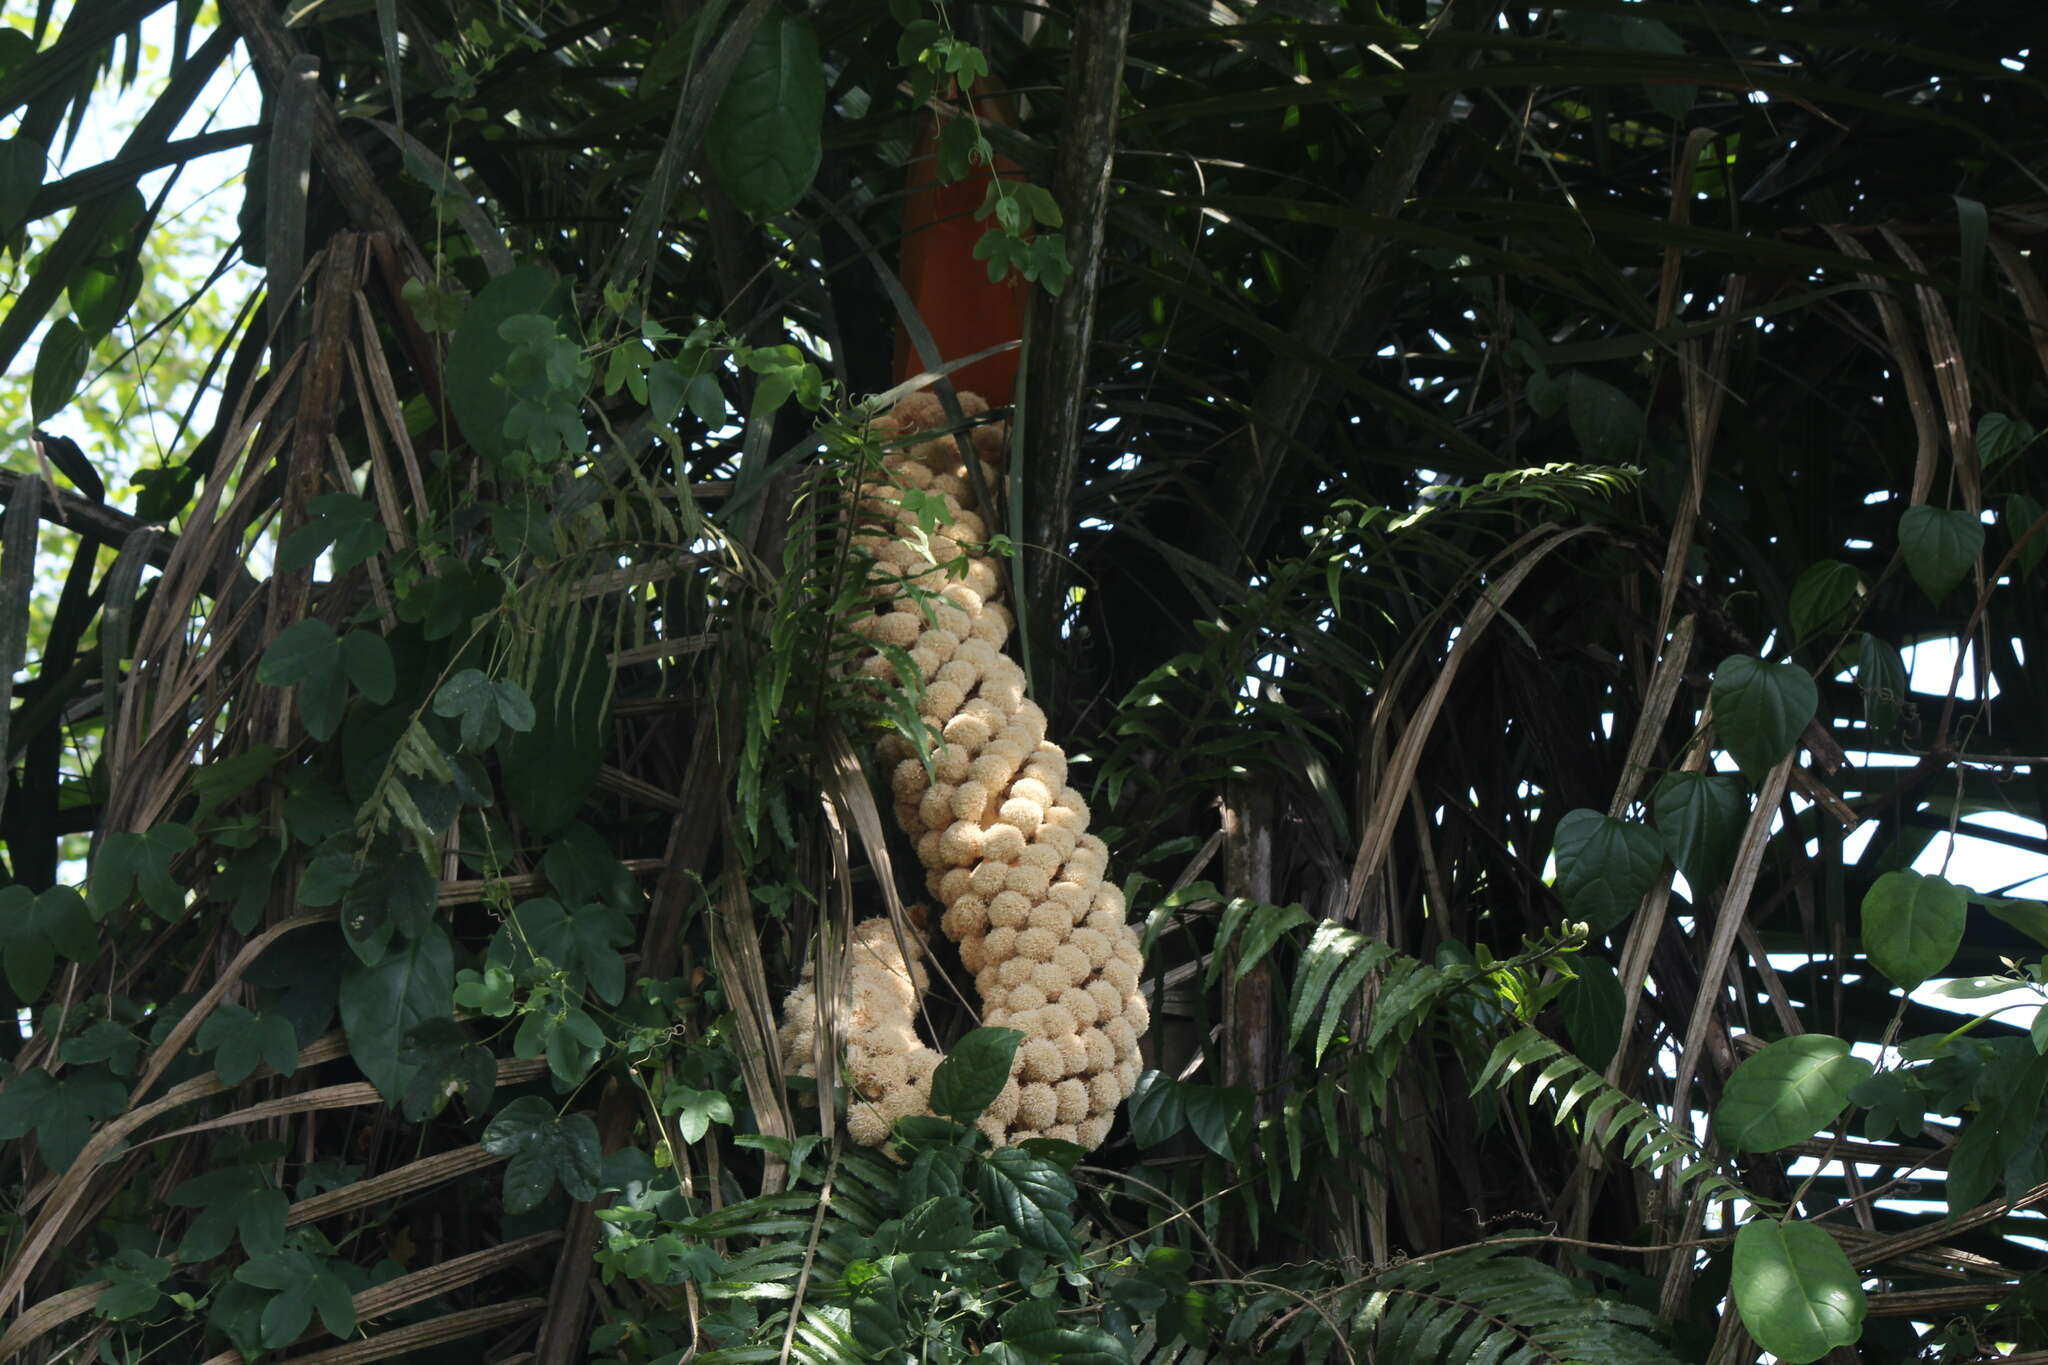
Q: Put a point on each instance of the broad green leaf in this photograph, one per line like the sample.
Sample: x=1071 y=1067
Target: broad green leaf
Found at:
x=1673 y=99
x=1156 y=1109
x=1030 y=1196
x=37 y=930
x=232 y=1202
x=1798 y=1294
x=342 y=521
x=449 y=1063
x=61 y=362
x=366 y=659
x=1913 y=925
x=1592 y=1006
x=974 y=1073
x=1035 y=1328
x=1606 y=421
x=1940 y=546
x=550 y=769
x=478 y=353
x=62 y=1111
x=1605 y=867
x=2028 y=916
x=393 y=886
x=1700 y=816
x=545 y=1148
x=303 y=1283
x=1761 y=709
x=1978 y=987
x=132 y=1279
x=1999 y=436
x=469 y=699
x=140 y=861
x=697 y=1110
x=1213 y=1113
x=381 y=1004
x=1822 y=597
x=1788 y=1092
x=242 y=1041
x=305 y=649
x=583 y=868
x=102 y=292
x=764 y=141
x=583 y=942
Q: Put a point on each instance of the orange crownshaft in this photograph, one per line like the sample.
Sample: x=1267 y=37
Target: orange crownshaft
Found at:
x=947 y=285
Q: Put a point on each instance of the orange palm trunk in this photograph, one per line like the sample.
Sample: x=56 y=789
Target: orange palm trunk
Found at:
x=951 y=289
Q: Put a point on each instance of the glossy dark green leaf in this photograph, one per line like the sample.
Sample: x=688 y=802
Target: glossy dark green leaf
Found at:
x=975 y=1071
x=1788 y=1092
x=764 y=143
x=1913 y=925
x=1030 y=1196
x=1761 y=709
x=1798 y=1294
x=1940 y=546
x=1605 y=867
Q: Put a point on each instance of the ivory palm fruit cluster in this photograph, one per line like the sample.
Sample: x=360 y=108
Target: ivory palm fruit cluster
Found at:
x=1003 y=839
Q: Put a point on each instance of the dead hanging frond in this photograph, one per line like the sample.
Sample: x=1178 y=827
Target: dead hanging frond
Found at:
x=736 y=948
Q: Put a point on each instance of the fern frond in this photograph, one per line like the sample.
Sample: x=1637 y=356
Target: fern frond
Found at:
x=1645 y=1139
x=1494 y=1305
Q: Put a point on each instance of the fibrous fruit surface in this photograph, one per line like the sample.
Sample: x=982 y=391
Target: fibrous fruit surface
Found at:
x=1003 y=839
